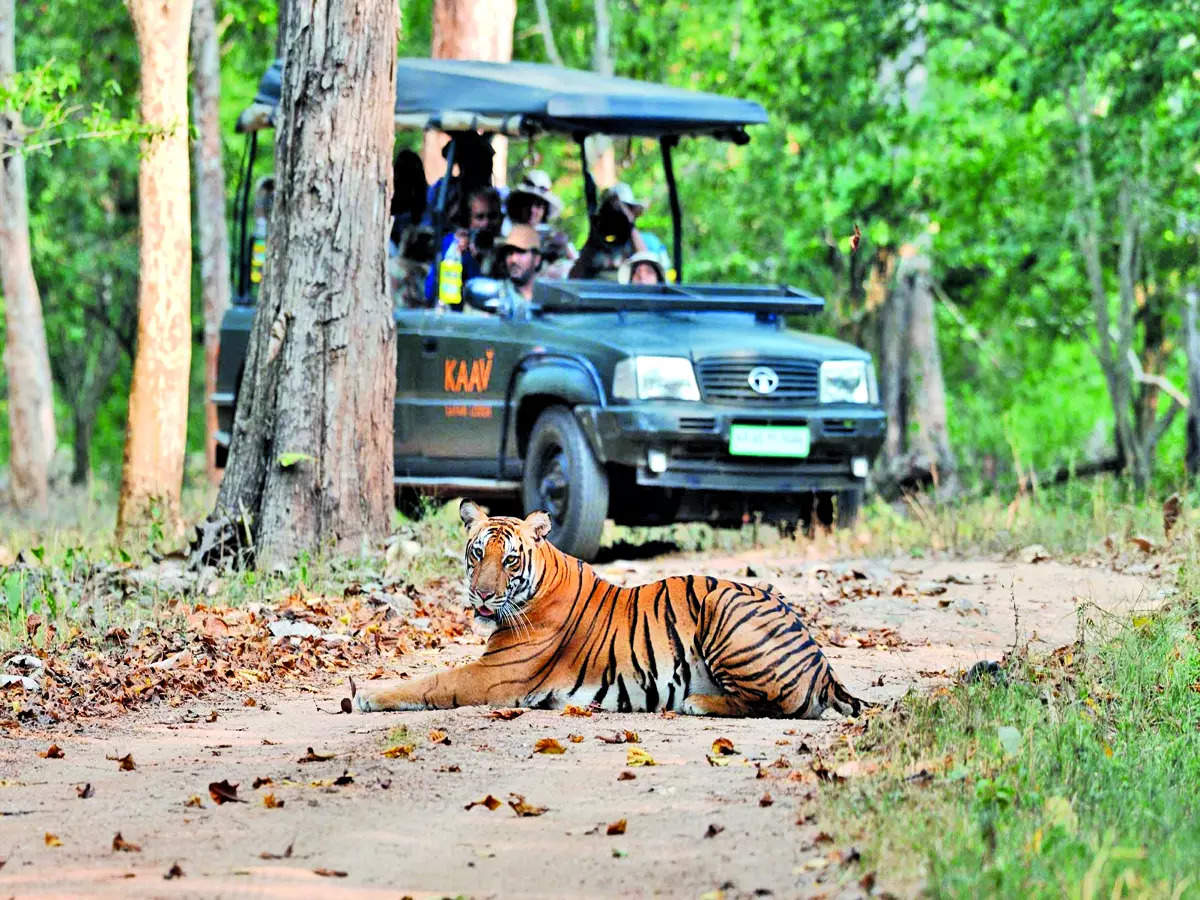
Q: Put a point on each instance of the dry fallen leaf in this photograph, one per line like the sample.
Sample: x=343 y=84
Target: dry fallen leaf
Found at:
x=1143 y=544
x=212 y=716
x=331 y=873
x=124 y=763
x=636 y=756
x=489 y=801
x=621 y=737
x=766 y=800
x=259 y=782
x=521 y=808
x=346 y=706
x=194 y=800
x=626 y=775
x=310 y=756
x=548 y=745
x=344 y=779
x=174 y=872
x=617 y=827
x=577 y=711
x=723 y=747
x=85 y=792
x=224 y=792
x=52 y=840
x=53 y=752
x=120 y=844
x=575 y=738
x=286 y=854
x=1171 y=510
x=270 y=802
x=438 y=737
x=505 y=714
x=399 y=751
x=714 y=830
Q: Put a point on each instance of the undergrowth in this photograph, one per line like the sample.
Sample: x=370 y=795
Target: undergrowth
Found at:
x=1074 y=774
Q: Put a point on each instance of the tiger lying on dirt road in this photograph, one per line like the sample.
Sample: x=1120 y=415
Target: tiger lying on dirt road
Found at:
x=560 y=634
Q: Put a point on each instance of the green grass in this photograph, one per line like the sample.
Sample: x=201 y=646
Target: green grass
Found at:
x=1078 y=776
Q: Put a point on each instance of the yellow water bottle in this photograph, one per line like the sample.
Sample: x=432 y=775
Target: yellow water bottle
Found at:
x=450 y=274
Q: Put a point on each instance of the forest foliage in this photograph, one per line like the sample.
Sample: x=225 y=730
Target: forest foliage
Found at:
x=956 y=126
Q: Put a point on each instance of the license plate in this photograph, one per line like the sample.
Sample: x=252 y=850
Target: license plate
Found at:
x=769 y=440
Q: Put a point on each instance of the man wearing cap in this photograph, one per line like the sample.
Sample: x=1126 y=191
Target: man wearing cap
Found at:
x=520 y=256
x=613 y=236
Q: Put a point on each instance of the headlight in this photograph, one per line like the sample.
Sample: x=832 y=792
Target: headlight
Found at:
x=846 y=381
x=655 y=378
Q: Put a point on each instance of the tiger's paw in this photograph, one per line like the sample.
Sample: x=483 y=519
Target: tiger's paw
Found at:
x=365 y=703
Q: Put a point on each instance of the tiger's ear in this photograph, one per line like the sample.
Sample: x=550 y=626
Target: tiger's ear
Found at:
x=539 y=523
x=471 y=513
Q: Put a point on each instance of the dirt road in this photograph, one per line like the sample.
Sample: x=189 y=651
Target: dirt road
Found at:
x=400 y=827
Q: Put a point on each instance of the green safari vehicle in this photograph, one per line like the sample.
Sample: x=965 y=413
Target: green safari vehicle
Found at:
x=644 y=404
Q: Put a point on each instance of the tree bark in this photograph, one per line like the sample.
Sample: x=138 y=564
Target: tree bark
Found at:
x=211 y=226
x=1192 y=460
x=930 y=445
x=470 y=29
x=155 y=439
x=26 y=358
x=311 y=459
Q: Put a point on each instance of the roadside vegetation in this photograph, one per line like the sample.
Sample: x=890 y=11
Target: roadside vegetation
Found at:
x=1065 y=774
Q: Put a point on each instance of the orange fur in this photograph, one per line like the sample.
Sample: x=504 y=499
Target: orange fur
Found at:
x=563 y=635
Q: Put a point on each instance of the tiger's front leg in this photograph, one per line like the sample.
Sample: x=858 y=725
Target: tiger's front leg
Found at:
x=469 y=685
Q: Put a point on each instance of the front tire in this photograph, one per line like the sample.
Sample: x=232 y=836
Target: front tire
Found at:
x=838 y=509
x=563 y=477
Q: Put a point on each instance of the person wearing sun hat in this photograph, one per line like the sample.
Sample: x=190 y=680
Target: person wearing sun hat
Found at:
x=644 y=267
x=520 y=258
x=532 y=202
x=612 y=234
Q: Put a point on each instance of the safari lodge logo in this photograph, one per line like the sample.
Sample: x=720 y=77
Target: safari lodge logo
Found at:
x=467 y=376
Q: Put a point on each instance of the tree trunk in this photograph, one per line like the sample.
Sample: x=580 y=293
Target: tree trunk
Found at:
x=893 y=369
x=1192 y=461
x=26 y=358
x=84 y=420
x=211 y=224
x=602 y=158
x=311 y=459
x=930 y=446
x=470 y=29
x=155 y=439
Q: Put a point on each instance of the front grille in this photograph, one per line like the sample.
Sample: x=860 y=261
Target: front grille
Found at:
x=697 y=423
x=728 y=379
x=840 y=426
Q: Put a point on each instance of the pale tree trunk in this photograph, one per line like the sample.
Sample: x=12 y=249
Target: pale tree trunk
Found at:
x=311 y=460
x=26 y=359
x=155 y=439
x=1191 y=297
x=470 y=29
x=602 y=158
x=211 y=225
x=929 y=449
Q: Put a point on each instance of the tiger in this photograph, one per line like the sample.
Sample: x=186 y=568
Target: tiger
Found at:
x=558 y=634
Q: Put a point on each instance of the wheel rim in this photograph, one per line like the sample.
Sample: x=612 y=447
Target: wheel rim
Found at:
x=553 y=485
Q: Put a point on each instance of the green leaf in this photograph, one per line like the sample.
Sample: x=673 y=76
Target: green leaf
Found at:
x=1010 y=739
x=287 y=460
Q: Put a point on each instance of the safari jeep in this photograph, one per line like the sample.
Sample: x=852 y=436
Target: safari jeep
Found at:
x=645 y=404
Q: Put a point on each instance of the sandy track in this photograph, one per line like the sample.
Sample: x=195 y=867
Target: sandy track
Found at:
x=400 y=828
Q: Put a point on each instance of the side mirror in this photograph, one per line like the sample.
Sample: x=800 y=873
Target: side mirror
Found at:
x=483 y=294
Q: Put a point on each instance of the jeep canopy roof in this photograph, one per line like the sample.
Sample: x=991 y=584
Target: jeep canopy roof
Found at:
x=524 y=98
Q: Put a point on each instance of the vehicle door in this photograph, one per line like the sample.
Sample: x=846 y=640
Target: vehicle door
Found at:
x=407 y=452
x=467 y=359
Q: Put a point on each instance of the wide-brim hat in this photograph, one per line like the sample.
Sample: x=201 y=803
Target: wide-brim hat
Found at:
x=625 y=272
x=536 y=183
x=521 y=237
x=624 y=193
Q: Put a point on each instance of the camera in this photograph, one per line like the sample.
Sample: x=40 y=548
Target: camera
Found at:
x=482 y=239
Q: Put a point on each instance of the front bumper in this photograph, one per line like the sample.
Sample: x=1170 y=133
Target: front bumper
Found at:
x=695 y=440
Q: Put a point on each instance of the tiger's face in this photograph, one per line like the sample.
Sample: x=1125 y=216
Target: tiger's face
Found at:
x=501 y=566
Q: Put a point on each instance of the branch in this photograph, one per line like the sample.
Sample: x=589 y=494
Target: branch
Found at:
x=543 y=13
x=1140 y=375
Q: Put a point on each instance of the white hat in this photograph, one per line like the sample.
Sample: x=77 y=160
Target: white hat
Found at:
x=624 y=193
x=536 y=183
x=625 y=272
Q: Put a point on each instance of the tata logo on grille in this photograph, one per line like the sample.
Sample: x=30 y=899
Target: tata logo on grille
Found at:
x=763 y=380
